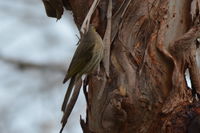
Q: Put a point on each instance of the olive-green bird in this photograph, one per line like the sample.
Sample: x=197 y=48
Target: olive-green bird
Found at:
x=86 y=59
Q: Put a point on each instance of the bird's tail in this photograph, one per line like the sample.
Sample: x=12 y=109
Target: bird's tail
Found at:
x=66 y=78
x=71 y=104
x=67 y=94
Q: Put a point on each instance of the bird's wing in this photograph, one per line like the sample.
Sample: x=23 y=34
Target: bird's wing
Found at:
x=82 y=56
x=68 y=93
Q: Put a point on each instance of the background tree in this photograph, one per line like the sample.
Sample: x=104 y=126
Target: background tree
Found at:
x=143 y=85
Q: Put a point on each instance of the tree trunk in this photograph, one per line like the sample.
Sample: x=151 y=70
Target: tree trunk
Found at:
x=153 y=43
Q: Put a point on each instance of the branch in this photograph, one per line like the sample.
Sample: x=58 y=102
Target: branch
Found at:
x=107 y=43
x=118 y=17
x=29 y=65
x=86 y=22
x=107 y=39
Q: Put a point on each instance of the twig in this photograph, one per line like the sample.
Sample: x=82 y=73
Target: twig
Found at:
x=86 y=21
x=107 y=43
x=107 y=39
x=129 y=51
x=30 y=65
x=126 y=7
x=119 y=8
x=117 y=23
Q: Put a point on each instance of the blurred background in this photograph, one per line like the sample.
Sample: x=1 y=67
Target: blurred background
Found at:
x=35 y=52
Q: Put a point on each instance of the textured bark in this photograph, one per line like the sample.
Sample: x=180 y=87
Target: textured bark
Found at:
x=153 y=43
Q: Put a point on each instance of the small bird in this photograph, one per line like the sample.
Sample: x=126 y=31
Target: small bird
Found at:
x=86 y=59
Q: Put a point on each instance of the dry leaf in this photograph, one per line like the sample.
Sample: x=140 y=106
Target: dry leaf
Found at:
x=54 y=8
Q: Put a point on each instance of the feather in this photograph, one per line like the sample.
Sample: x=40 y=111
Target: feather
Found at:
x=67 y=95
x=71 y=104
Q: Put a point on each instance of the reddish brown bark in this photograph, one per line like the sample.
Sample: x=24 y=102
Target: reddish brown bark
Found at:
x=153 y=44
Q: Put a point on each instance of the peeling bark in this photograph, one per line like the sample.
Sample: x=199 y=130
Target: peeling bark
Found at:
x=153 y=42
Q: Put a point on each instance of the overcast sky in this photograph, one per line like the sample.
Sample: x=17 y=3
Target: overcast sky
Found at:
x=30 y=98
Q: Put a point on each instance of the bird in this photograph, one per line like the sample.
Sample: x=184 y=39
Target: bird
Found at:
x=86 y=60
